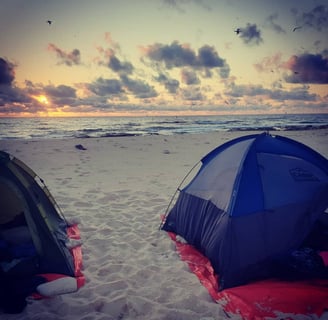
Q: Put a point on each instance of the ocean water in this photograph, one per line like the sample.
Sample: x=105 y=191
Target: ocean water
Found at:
x=88 y=127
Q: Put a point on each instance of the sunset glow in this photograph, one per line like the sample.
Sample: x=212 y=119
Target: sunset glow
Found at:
x=163 y=57
x=42 y=99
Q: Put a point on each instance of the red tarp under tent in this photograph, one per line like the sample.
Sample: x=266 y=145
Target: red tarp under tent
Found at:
x=269 y=298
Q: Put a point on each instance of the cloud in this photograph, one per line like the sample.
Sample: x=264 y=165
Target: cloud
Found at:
x=112 y=44
x=301 y=94
x=60 y=91
x=271 y=23
x=110 y=57
x=239 y=91
x=7 y=72
x=179 y=4
x=119 y=67
x=194 y=65
x=189 y=77
x=209 y=58
x=67 y=58
x=61 y=95
x=176 y=55
x=244 y=91
x=121 y=87
x=105 y=87
x=307 y=68
x=173 y=55
x=170 y=84
x=251 y=34
x=123 y=91
x=192 y=94
x=224 y=72
x=58 y=96
x=11 y=97
x=317 y=18
x=270 y=63
x=139 y=88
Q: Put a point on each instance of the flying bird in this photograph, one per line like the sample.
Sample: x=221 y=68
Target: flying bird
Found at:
x=237 y=31
x=49 y=22
x=297 y=28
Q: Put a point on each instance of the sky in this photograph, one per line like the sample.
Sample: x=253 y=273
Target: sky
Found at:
x=162 y=57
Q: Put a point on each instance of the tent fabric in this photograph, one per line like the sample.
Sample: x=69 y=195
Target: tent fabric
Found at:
x=44 y=222
x=32 y=225
x=260 y=299
x=73 y=232
x=254 y=199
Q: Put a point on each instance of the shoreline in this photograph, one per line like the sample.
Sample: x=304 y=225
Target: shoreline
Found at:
x=44 y=128
x=118 y=188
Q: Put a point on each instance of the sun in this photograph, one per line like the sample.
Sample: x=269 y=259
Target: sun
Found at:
x=42 y=99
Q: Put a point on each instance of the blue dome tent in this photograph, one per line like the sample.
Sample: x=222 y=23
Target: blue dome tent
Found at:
x=254 y=199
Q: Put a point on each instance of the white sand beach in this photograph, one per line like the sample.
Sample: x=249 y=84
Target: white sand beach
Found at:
x=118 y=188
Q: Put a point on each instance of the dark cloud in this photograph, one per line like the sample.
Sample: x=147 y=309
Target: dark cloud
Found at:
x=12 y=99
x=173 y=55
x=33 y=89
x=104 y=87
x=67 y=58
x=209 y=58
x=243 y=91
x=251 y=34
x=317 y=18
x=10 y=108
x=192 y=94
x=301 y=94
x=224 y=72
x=177 y=55
x=17 y=100
x=110 y=57
x=171 y=85
x=10 y=95
x=60 y=91
x=138 y=88
x=23 y=106
x=239 y=91
x=271 y=23
x=189 y=77
x=307 y=68
x=120 y=67
x=61 y=95
x=7 y=72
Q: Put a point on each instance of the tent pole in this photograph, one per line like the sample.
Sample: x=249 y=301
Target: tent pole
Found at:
x=176 y=191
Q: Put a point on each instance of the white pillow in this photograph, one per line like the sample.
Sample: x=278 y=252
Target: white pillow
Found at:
x=57 y=287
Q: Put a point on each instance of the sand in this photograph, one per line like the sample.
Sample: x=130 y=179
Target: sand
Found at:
x=118 y=188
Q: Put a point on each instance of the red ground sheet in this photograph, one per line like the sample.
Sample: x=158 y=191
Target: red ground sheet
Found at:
x=261 y=299
x=73 y=232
